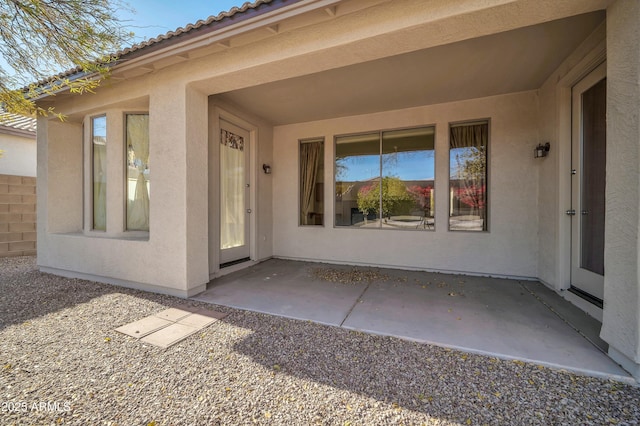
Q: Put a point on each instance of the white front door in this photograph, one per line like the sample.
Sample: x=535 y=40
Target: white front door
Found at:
x=588 y=186
x=235 y=197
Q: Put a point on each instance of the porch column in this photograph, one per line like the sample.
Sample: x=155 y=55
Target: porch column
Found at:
x=196 y=119
x=621 y=315
x=178 y=127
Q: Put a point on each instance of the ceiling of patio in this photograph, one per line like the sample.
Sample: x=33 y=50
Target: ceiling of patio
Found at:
x=508 y=62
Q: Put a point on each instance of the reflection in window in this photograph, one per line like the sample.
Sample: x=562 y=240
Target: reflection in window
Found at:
x=468 y=176
x=386 y=179
x=312 y=182
x=137 y=172
x=99 y=171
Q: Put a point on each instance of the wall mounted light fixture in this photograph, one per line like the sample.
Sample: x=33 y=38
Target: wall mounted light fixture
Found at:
x=267 y=169
x=541 y=150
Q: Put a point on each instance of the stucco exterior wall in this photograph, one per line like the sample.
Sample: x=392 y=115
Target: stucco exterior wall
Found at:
x=621 y=315
x=174 y=256
x=155 y=261
x=554 y=189
x=508 y=249
x=19 y=157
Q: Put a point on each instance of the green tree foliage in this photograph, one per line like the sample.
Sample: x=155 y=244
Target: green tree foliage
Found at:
x=41 y=38
x=394 y=193
x=471 y=163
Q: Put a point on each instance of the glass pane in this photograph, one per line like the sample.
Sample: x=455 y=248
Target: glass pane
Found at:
x=468 y=177
x=232 y=190
x=138 y=172
x=99 y=171
x=357 y=175
x=312 y=182
x=408 y=178
x=594 y=156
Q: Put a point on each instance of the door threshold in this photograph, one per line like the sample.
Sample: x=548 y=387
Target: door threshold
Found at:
x=586 y=296
x=234 y=262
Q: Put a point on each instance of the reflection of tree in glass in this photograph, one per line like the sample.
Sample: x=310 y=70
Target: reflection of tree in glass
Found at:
x=422 y=197
x=341 y=168
x=394 y=196
x=471 y=172
x=471 y=163
x=472 y=195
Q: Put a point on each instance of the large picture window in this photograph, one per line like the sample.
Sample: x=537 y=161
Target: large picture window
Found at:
x=99 y=172
x=468 y=148
x=386 y=179
x=137 y=140
x=312 y=182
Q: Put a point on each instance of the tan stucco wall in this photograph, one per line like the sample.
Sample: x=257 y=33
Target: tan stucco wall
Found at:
x=621 y=316
x=554 y=190
x=157 y=261
x=509 y=248
x=19 y=155
x=174 y=256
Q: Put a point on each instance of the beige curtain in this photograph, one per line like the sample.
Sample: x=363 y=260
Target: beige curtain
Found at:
x=309 y=160
x=99 y=183
x=471 y=141
x=138 y=146
x=232 y=188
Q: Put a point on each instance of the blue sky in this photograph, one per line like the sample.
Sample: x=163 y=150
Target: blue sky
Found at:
x=155 y=17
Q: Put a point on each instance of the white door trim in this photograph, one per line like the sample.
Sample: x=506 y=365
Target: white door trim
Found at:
x=564 y=93
x=216 y=114
x=581 y=278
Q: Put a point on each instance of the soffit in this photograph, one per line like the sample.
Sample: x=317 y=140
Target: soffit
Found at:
x=507 y=62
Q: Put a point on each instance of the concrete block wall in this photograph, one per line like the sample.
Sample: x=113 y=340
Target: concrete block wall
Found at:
x=17 y=215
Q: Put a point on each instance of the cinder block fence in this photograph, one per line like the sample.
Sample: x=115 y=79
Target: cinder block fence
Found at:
x=17 y=215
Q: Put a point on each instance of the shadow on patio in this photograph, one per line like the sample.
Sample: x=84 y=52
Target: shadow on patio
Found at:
x=508 y=319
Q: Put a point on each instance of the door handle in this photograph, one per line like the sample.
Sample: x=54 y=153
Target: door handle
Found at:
x=248 y=210
x=584 y=212
x=571 y=212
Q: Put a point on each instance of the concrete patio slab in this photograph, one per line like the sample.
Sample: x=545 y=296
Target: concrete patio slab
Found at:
x=170 y=335
x=143 y=327
x=490 y=316
x=509 y=319
x=274 y=287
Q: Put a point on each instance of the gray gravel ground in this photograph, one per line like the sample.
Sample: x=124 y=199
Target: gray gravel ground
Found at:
x=62 y=363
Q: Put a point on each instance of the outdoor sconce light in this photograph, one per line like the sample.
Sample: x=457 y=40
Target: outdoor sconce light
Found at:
x=541 y=150
x=267 y=169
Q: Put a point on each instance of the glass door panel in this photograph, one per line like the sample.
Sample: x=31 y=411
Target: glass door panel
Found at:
x=234 y=193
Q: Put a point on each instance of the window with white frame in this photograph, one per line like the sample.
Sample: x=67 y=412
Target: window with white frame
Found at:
x=386 y=179
x=468 y=159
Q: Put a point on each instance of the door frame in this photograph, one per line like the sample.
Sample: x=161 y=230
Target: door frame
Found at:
x=216 y=114
x=581 y=274
x=589 y=62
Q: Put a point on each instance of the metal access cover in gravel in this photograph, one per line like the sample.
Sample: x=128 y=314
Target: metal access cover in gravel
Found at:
x=62 y=363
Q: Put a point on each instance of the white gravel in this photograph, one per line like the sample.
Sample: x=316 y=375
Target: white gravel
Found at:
x=61 y=362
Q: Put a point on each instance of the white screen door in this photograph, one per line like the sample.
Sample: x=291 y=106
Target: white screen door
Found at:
x=588 y=186
x=234 y=194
